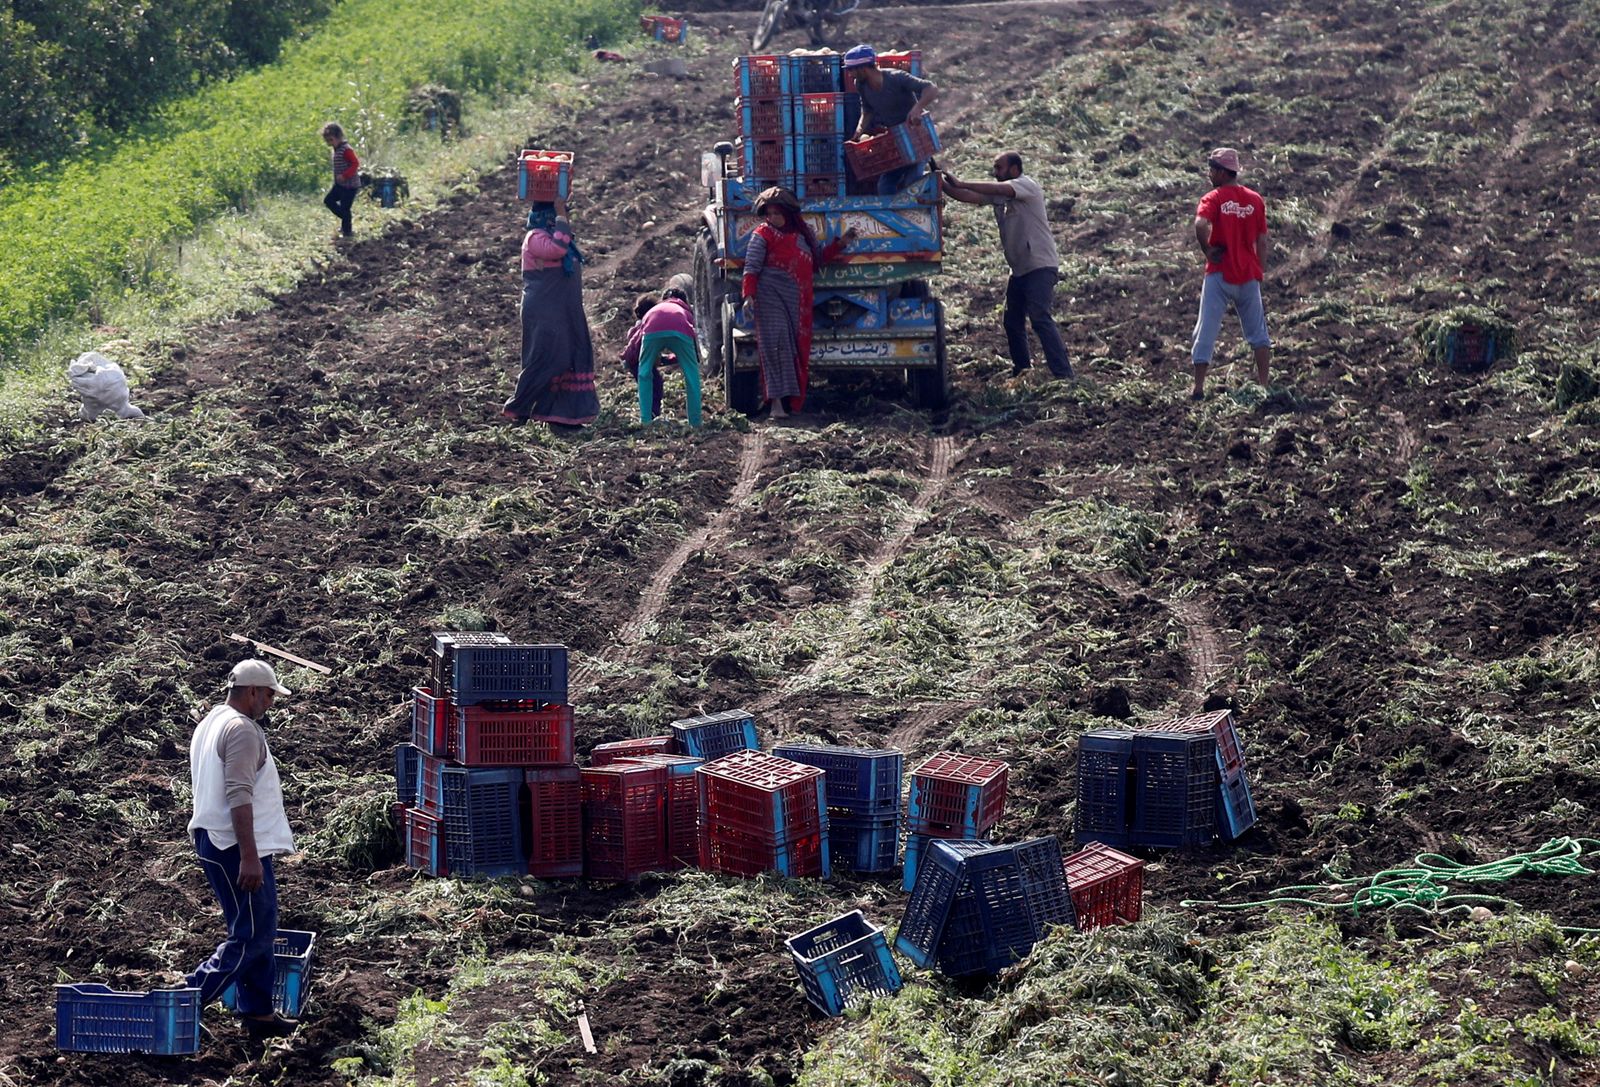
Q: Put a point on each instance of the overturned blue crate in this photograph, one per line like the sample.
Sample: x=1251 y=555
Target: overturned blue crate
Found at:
x=863 y=843
x=509 y=673
x=482 y=814
x=1104 y=809
x=291 y=963
x=1008 y=897
x=938 y=878
x=1175 y=800
x=844 y=962
x=713 y=735
x=1237 y=810
x=865 y=780
x=94 y=1018
x=407 y=763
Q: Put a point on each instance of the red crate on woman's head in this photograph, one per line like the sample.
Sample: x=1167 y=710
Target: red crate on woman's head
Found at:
x=543 y=176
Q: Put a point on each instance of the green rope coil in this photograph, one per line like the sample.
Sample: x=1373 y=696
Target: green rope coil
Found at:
x=1425 y=885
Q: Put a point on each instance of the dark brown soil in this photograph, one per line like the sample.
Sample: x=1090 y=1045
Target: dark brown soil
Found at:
x=332 y=391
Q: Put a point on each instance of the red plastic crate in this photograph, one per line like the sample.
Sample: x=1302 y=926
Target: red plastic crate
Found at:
x=514 y=734
x=430 y=789
x=431 y=722
x=735 y=854
x=606 y=754
x=909 y=60
x=546 y=175
x=763 y=118
x=624 y=814
x=758 y=76
x=822 y=114
x=1107 y=886
x=762 y=796
x=662 y=28
x=818 y=186
x=555 y=806
x=941 y=800
x=683 y=806
x=425 y=843
x=874 y=155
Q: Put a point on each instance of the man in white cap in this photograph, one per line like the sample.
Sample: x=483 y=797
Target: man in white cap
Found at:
x=238 y=827
x=1231 y=226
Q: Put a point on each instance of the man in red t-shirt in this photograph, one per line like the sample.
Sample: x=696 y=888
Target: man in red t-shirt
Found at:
x=1231 y=226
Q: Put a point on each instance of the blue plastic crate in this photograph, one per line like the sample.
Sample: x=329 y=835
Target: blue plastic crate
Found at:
x=291 y=957
x=938 y=878
x=813 y=74
x=916 y=846
x=815 y=154
x=407 y=763
x=99 y=1019
x=1007 y=898
x=863 y=843
x=769 y=160
x=713 y=735
x=1175 y=801
x=844 y=962
x=483 y=821
x=863 y=780
x=508 y=673
x=1237 y=810
x=1104 y=808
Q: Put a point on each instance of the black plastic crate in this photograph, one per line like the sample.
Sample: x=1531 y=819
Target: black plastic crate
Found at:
x=863 y=843
x=938 y=878
x=713 y=735
x=482 y=811
x=508 y=673
x=1175 y=804
x=1044 y=882
x=407 y=764
x=1104 y=809
x=863 y=780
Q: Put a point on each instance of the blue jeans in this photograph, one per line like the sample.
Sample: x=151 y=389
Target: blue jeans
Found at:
x=1214 y=298
x=1028 y=298
x=896 y=180
x=245 y=957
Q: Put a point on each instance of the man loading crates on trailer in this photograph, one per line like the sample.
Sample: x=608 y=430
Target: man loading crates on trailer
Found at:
x=888 y=98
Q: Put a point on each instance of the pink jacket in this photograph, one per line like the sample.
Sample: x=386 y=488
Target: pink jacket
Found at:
x=543 y=249
x=672 y=315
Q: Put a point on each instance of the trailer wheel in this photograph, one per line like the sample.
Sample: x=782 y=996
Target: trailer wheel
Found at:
x=930 y=388
x=707 y=304
x=742 y=390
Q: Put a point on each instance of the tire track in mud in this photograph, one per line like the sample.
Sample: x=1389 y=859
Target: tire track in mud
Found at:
x=943 y=455
x=753 y=451
x=920 y=724
x=1204 y=647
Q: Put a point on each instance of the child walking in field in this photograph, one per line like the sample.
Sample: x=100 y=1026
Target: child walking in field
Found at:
x=346 y=177
x=667 y=327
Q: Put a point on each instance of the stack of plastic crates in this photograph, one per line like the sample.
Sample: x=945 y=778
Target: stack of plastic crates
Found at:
x=760 y=813
x=844 y=962
x=713 y=735
x=494 y=787
x=680 y=824
x=624 y=820
x=1236 y=810
x=1107 y=886
x=863 y=792
x=955 y=798
x=794 y=117
x=1177 y=784
x=977 y=907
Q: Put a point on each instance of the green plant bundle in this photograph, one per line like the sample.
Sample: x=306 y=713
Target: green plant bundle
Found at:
x=1433 y=333
x=81 y=229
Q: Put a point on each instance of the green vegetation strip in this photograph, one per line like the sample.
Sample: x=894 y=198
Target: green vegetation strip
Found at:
x=1426 y=886
x=97 y=220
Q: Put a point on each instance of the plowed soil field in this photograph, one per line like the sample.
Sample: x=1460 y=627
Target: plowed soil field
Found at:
x=1386 y=567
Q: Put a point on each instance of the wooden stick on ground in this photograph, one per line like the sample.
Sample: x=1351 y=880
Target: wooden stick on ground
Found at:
x=583 y=1028
x=265 y=648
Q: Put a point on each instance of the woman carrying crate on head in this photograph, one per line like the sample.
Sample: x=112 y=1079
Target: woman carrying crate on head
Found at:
x=557 y=381
x=779 y=263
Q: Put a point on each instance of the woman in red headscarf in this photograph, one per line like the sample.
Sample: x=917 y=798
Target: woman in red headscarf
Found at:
x=782 y=256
